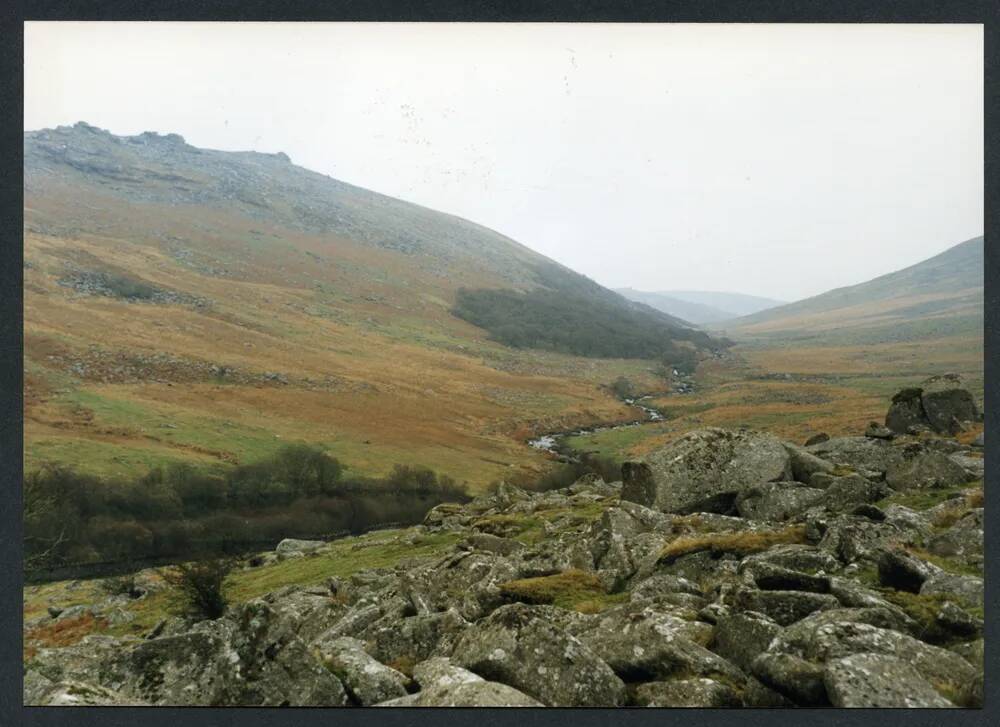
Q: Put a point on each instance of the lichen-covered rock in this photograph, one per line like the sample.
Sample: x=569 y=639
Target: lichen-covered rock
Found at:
x=918 y=468
x=705 y=470
x=947 y=403
x=494 y=544
x=776 y=501
x=968 y=589
x=79 y=694
x=696 y=692
x=291 y=545
x=804 y=558
x=441 y=671
x=517 y=646
x=793 y=677
x=804 y=464
x=367 y=680
x=854 y=539
x=796 y=639
x=641 y=643
x=310 y=611
x=877 y=431
x=365 y=613
x=902 y=571
x=906 y=411
x=975 y=467
x=664 y=584
x=877 y=680
x=741 y=636
x=959 y=621
x=964 y=539
x=973 y=652
x=466 y=694
x=846 y=492
x=784 y=607
x=757 y=694
x=415 y=637
x=252 y=657
x=843 y=638
x=858 y=453
x=769 y=577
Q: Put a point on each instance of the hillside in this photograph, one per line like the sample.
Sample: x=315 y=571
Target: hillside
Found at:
x=942 y=295
x=184 y=304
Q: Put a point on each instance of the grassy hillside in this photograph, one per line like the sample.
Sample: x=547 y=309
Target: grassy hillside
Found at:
x=938 y=297
x=184 y=304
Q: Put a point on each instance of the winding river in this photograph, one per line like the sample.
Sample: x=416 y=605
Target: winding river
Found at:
x=553 y=441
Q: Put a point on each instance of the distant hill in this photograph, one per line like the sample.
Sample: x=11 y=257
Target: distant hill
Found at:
x=699 y=306
x=695 y=313
x=738 y=304
x=942 y=295
x=207 y=306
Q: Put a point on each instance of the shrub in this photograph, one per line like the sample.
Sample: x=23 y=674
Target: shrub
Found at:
x=121 y=286
x=200 y=586
x=622 y=388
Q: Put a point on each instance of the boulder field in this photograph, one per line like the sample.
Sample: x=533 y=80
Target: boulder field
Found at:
x=727 y=569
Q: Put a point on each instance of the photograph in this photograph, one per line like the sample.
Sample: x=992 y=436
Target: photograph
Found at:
x=502 y=364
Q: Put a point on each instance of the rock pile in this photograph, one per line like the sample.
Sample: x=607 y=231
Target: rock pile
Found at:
x=727 y=569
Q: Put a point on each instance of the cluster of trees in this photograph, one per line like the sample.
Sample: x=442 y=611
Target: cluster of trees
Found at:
x=574 y=315
x=179 y=511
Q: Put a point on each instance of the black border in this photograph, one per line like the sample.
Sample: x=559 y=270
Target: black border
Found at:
x=11 y=343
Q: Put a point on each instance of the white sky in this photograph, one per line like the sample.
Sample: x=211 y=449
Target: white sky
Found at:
x=777 y=160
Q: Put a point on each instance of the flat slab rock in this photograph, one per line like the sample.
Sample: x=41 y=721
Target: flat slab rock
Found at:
x=877 y=680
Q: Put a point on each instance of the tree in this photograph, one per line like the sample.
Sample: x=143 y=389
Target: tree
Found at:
x=200 y=586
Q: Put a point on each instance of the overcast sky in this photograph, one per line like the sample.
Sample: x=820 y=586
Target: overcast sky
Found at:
x=776 y=160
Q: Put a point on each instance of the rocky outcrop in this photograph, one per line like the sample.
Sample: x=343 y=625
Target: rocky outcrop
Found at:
x=812 y=594
x=705 y=471
x=941 y=404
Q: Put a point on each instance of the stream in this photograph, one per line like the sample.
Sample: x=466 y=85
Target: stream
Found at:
x=552 y=442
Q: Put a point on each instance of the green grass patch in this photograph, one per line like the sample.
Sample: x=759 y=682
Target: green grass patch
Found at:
x=531 y=528
x=175 y=426
x=614 y=443
x=105 y=459
x=381 y=549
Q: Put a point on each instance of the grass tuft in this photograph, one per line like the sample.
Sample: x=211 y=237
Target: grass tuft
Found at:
x=738 y=543
x=574 y=590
